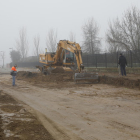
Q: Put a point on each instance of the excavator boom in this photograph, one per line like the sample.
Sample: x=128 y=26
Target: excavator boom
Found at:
x=74 y=48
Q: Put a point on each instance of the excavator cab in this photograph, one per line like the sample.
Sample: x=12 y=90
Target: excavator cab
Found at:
x=69 y=56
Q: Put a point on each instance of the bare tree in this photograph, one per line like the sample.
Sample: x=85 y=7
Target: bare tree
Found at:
x=15 y=56
x=22 y=43
x=36 y=45
x=92 y=42
x=42 y=51
x=51 y=40
x=72 y=37
x=124 y=34
x=112 y=47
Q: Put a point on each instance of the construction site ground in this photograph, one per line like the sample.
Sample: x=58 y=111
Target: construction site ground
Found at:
x=54 y=107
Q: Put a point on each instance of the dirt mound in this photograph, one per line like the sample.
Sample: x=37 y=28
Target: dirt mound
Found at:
x=66 y=79
x=54 y=80
x=38 y=77
x=26 y=74
x=58 y=70
x=120 y=81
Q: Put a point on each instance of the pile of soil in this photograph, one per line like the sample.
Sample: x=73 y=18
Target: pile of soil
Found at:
x=52 y=81
x=120 y=81
x=26 y=74
x=58 y=70
x=66 y=79
x=53 y=77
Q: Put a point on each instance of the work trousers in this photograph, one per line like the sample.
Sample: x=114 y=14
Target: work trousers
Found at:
x=123 y=72
x=14 y=78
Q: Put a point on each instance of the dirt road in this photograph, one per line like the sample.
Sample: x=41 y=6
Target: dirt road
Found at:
x=92 y=112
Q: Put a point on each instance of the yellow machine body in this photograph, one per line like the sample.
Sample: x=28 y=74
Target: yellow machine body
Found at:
x=64 y=56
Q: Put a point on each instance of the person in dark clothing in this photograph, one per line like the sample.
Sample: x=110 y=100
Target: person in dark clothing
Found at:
x=123 y=64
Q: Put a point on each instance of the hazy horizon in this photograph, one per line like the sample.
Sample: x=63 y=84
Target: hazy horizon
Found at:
x=39 y=16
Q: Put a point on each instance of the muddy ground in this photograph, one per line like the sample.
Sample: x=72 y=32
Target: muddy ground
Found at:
x=16 y=123
x=63 y=79
x=103 y=110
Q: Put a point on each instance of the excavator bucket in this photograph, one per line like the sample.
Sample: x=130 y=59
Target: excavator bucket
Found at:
x=85 y=77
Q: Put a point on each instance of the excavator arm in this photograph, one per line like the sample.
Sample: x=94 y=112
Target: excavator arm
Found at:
x=72 y=47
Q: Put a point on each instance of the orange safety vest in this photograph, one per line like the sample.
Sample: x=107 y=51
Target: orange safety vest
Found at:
x=13 y=68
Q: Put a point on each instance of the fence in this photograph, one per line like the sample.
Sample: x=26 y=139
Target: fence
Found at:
x=99 y=60
x=111 y=59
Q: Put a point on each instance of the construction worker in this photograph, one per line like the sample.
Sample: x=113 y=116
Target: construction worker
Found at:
x=13 y=73
x=123 y=64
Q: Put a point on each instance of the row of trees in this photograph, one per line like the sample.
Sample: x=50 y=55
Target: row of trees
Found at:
x=22 y=45
x=122 y=34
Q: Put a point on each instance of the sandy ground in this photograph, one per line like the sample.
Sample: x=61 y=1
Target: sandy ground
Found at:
x=16 y=123
x=89 y=112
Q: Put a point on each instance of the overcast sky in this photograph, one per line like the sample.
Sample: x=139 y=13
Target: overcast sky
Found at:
x=64 y=16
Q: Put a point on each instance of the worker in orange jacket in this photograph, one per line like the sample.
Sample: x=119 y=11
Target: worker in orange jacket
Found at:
x=13 y=73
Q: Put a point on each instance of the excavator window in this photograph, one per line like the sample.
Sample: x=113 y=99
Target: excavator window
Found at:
x=69 y=57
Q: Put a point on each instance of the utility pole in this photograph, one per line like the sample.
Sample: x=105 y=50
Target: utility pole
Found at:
x=2 y=55
x=11 y=58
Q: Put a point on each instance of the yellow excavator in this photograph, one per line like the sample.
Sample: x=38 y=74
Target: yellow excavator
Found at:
x=64 y=56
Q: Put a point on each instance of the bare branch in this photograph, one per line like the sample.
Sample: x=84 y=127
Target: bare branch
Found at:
x=92 y=42
x=36 y=45
x=22 y=43
x=124 y=34
x=72 y=37
x=51 y=41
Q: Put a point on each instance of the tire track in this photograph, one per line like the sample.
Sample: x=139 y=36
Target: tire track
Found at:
x=122 y=127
